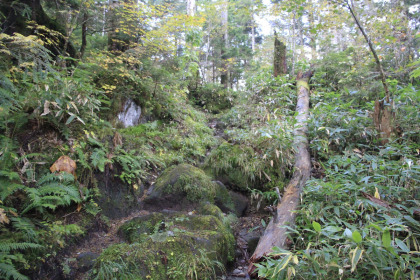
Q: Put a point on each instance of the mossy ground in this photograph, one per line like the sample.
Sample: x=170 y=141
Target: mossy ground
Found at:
x=169 y=246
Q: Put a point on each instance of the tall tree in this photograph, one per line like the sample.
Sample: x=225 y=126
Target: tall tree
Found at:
x=225 y=75
x=191 y=7
x=280 y=65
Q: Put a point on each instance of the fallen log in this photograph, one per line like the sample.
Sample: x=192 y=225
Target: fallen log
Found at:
x=275 y=234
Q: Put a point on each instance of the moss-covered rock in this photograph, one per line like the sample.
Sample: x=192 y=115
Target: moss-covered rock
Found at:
x=183 y=181
x=170 y=246
x=185 y=184
x=140 y=228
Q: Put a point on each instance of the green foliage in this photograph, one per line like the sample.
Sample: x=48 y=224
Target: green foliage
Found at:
x=213 y=97
x=341 y=233
x=52 y=191
x=259 y=130
x=195 y=267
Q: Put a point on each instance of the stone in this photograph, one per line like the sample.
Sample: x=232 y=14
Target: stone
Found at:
x=186 y=241
x=251 y=238
x=180 y=186
x=131 y=113
x=240 y=203
x=86 y=260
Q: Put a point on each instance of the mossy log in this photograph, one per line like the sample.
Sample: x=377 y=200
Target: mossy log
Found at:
x=275 y=234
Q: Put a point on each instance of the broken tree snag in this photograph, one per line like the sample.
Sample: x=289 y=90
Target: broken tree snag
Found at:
x=275 y=234
x=383 y=117
x=280 y=66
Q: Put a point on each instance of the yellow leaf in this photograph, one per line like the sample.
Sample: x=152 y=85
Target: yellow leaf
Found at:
x=377 y=193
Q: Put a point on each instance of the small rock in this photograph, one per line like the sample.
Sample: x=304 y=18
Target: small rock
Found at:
x=85 y=261
x=236 y=272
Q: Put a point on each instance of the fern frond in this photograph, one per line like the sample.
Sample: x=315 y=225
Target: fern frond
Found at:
x=9 y=188
x=7 y=247
x=58 y=191
x=8 y=271
x=25 y=226
x=52 y=177
x=99 y=159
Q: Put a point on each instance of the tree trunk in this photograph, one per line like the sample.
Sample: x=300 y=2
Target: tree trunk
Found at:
x=383 y=116
x=275 y=234
x=293 y=43
x=312 y=36
x=191 y=7
x=84 y=31
x=252 y=27
x=280 y=65
x=224 y=76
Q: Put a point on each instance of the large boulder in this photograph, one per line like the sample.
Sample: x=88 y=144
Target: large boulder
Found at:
x=182 y=186
x=170 y=245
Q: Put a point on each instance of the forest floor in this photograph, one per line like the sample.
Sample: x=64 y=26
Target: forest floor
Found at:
x=249 y=227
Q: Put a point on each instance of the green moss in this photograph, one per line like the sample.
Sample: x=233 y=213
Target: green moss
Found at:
x=210 y=209
x=304 y=84
x=170 y=247
x=187 y=181
x=139 y=228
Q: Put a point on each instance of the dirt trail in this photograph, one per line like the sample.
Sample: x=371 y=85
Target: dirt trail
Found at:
x=96 y=242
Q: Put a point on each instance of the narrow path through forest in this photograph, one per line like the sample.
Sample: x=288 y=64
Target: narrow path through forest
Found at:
x=247 y=229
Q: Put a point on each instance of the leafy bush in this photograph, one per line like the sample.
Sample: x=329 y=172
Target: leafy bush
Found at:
x=213 y=97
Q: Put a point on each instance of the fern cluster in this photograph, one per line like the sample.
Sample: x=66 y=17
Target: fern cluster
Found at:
x=53 y=191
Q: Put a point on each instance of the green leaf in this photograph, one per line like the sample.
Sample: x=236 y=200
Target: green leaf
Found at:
x=402 y=245
x=356 y=237
x=386 y=239
x=282 y=264
x=356 y=256
x=70 y=119
x=316 y=226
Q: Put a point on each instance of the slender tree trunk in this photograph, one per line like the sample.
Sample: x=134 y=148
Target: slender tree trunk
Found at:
x=252 y=27
x=191 y=7
x=312 y=36
x=225 y=77
x=293 y=43
x=275 y=234
x=280 y=66
x=383 y=116
x=84 y=33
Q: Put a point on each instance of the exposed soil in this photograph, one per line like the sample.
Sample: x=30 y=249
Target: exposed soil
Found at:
x=96 y=242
